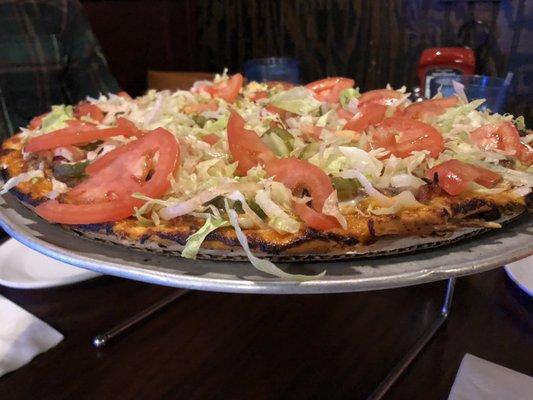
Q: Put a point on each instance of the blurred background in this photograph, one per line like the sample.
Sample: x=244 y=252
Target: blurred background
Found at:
x=376 y=42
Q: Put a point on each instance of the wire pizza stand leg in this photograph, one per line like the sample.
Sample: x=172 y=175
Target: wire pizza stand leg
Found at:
x=104 y=338
x=419 y=345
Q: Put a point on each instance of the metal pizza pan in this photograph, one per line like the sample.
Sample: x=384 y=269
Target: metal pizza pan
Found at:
x=465 y=252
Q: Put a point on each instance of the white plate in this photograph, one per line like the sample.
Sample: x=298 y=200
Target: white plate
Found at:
x=24 y=268
x=521 y=272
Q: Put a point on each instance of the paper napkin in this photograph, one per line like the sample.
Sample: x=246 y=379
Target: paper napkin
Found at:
x=478 y=379
x=22 y=336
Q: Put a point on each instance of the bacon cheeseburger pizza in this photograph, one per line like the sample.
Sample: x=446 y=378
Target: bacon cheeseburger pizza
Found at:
x=270 y=169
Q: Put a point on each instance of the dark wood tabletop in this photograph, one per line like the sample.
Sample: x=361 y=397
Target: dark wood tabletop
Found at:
x=233 y=346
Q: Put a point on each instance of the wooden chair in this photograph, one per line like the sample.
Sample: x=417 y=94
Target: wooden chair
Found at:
x=161 y=80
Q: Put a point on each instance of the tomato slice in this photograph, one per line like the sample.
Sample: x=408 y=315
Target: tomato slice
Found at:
x=402 y=135
x=227 y=90
x=430 y=107
x=256 y=96
x=210 y=138
x=329 y=89
x=503 y=137
x=384 y=97
x=368 y=114
x=281 y=84
x=311 y=131
x=88 y=109
x=106 y=194
x=124 y=95
x=300 y=175
x=74 y=214
x=36 y=122
x=283 y=114
x=77 y=133
x=245 y=146
x=344 y=114
x=487 y=138
x=454 y=176
x=200 y=107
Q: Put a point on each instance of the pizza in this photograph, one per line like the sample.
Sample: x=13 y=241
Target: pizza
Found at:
x=270 y=169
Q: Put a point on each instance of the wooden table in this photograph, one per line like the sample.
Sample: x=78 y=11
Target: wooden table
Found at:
x=227 y=346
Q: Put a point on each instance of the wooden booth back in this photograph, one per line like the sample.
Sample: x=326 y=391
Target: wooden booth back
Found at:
x=374 y=41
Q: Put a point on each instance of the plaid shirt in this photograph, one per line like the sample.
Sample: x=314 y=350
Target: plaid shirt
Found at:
x=48 y=55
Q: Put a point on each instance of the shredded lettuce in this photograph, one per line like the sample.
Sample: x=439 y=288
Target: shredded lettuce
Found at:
x=365 y=183
x=362 y=161
x=520 y=123
x=297 y=100
x=281 y=194
x=346 y=188
x=323 y=120
x=277 y=217
x=24 y=177
x=406 y=181
x=518 y=178
x=195 y=240
x=347 y=95
x=216 y=126
x=148 y=207
x=249 y=219
x=277 y=144
x=56 y=118
x=446 y=121
x=331 y=208
x=58 y=188
x=262 y=265
x=405 y=199
x=183 y=207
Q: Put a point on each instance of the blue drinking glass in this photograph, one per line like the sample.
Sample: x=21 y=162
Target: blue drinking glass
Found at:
x=281 y=69
x=494 y=90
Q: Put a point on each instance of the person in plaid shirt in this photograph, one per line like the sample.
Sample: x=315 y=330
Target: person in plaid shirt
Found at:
x=48 y=55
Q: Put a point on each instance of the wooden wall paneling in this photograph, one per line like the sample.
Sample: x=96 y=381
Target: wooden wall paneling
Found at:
x=180 y=31
x=138 y=35
x=376 y=42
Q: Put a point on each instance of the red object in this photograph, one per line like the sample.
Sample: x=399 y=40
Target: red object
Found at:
x=283 y=114
x=90 y=110
x=454 y=176
x=106 y=194
x=211 y=139
x=459 y=58
x=503 y=137
x=329 y=89
x=77 y=132
x=299 y=174
x=385 y=97
x=36 y=122
x=430 y=107
x=369 y=114
x=227 y=90
x=245 y=146
x=402 y=135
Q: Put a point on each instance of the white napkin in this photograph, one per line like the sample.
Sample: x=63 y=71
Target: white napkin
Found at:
x=22 y=336
x=478 y=379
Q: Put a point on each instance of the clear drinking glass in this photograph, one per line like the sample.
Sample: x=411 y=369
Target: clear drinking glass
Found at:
x=493 y=89
x=283 y=69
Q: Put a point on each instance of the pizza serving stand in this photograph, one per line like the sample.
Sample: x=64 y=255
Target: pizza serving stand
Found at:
x=467 y=256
